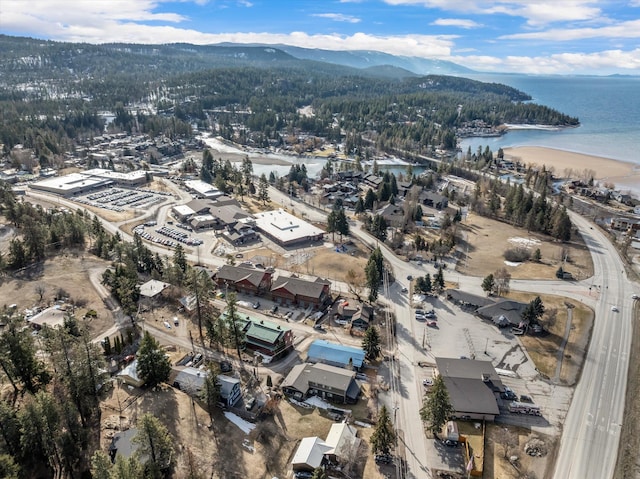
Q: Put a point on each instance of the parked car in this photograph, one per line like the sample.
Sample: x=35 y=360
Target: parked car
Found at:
x=275 y=308
x=383 y=459
x=509 y=394
x=525 y=398
x=404 y=290
x=256 y=305
x=167 y=325
x=450 y=443
x=225 y=366
x=614 y=309
x=302 y=475
x=427 y=382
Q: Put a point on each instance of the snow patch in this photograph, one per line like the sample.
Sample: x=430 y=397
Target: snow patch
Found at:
x=526 y=242
x=512 y=263
x=245 y=426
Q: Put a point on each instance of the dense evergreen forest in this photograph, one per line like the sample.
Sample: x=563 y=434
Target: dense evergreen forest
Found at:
x=51 y=93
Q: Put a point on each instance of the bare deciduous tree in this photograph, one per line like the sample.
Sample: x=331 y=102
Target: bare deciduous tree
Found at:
x=508 y=440
x=40 y=289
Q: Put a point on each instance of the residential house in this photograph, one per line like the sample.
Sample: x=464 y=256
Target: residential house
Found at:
x=270 y=340
x=372 y=181
x=129 y=375
x=393 y=214
x=244 y=280
x=191 y=381
x=328 y=382
x=341 y=443
x=363 y=317
x=473 y=387
x=625 y=224
x=433 y=199
x=291 y=291
x=322 y=351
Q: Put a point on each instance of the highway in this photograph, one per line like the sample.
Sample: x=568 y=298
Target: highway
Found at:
x=591 y=436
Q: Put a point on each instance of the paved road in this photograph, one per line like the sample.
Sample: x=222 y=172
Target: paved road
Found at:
x=591 y=435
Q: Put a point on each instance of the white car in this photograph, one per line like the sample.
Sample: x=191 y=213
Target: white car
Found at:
x=427 y=382
x=614 y=309
x=634 y=296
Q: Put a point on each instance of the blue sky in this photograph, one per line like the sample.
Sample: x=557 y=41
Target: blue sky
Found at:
x=521 y=36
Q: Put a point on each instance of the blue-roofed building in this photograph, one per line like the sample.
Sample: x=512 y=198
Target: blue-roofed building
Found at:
x=322 y=351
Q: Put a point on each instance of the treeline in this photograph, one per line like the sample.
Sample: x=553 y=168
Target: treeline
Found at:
x=46 y=424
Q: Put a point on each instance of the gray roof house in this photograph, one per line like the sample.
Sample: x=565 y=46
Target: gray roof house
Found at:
x=507 y=309
x=191 y=381
x=472 y=386
x=328 y=382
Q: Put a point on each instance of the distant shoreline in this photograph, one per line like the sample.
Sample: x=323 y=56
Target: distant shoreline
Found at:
x=624 y=175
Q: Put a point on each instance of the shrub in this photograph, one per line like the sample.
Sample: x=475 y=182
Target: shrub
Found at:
x=517 y=255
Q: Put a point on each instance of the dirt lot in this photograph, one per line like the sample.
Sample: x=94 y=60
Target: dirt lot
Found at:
x=323 y=261
x=68 y=272
x=264 y=453
x=497 y=466
x=544 y=349
x=487 y=239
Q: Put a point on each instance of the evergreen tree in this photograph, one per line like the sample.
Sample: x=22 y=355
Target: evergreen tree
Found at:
x=153 y=365
x=155 y=442
x=373 y=280
x=371 y=344
x=488 y=284
x=237 y=334
x=438 y=280
x=384 y=436
x=437 y=407
x=263 y=189
x=210 y=393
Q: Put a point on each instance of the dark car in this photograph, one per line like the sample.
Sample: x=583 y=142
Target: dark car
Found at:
x=450 y=443
x=509 y=395
x=275 y=308
x=256 y=305
x=302 y=475
x=525 y=398
x=225 y=366
x=383 y=459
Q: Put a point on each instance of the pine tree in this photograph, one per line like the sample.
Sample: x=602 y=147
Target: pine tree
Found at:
x=153 y=365
x=384 y=436
x=437 y=407
x=371 y=344
x=263 y=189
x=155 y=442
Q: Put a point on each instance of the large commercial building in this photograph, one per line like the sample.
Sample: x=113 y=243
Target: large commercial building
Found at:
x=76 y=184
x=286 y=229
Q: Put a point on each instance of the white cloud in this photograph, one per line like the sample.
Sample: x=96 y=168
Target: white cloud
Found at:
x=562 y=63
x=338 y=17
x=536 y=12
x=456 y=22
x=630 y=29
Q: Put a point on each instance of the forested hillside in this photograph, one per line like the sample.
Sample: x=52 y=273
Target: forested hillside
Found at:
x=51 y=93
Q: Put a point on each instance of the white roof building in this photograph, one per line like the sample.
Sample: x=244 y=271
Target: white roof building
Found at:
x=203 y=189
x=286 y=229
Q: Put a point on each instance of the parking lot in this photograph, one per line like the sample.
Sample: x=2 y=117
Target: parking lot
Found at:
x=461 y=334
x=119 y=199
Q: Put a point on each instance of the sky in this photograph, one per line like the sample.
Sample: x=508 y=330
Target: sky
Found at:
x=516 y=36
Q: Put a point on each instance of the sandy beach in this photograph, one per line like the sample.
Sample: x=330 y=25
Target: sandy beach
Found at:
x=625 y=176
